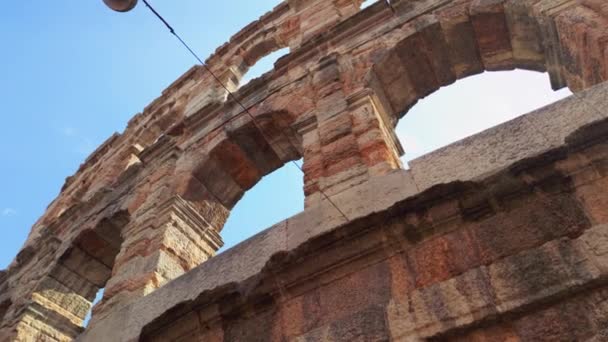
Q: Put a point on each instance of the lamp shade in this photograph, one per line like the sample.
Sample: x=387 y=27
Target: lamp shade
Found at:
x=121 y=5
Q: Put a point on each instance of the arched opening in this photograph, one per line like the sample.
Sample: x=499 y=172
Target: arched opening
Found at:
x=469 y=38
x=96 y=300
x=262 y=66
x=245 y=155
x=67 y=294
x=472 y=105
x=276 y=197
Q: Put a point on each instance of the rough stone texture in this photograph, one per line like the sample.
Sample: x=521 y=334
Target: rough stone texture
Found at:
x=464 y=260
x=499 y=236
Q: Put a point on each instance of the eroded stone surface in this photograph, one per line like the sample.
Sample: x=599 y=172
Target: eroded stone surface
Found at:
x=442 y=263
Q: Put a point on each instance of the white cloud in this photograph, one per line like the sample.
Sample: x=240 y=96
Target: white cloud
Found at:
x=7 y=212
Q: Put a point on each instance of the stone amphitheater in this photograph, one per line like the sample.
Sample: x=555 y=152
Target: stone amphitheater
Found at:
x=502 y=236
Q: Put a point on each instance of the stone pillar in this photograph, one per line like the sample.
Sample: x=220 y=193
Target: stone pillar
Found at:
x=348 y=140
x=159 y=246
x=208 y=90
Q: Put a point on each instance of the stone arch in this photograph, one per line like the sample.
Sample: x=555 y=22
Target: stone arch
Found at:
x=259 y=50
x=470 y=37
x=275 y=30
x=62 y=297
x=218 y=171
x=253 y=52
x=94 y=253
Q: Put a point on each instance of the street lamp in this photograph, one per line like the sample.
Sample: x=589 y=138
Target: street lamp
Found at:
x=121 y=5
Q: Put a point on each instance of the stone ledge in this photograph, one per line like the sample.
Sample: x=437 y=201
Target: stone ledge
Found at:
x=498 y=147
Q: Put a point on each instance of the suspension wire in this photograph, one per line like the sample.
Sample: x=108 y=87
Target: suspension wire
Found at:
x=234 y=98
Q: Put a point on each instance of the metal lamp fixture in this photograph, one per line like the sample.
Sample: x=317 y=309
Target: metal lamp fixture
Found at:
x=121 y=5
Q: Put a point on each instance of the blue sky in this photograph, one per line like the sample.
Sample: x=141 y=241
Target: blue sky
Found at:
x=73 y=72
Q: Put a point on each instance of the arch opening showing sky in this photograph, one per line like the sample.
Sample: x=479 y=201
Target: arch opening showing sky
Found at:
x=264 y=65
x=472 y=105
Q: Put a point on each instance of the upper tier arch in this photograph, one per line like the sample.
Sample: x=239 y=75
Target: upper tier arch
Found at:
x=466 y=38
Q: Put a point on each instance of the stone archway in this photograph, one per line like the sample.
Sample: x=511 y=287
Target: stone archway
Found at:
x=64 y=295
x=234 y=158
x=469 y=37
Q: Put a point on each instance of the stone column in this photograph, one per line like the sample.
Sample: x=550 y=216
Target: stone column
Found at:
x=348 y=139
x=159 y=246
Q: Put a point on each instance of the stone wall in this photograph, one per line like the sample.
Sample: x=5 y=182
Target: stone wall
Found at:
x=514 y=252
x=148 y=206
